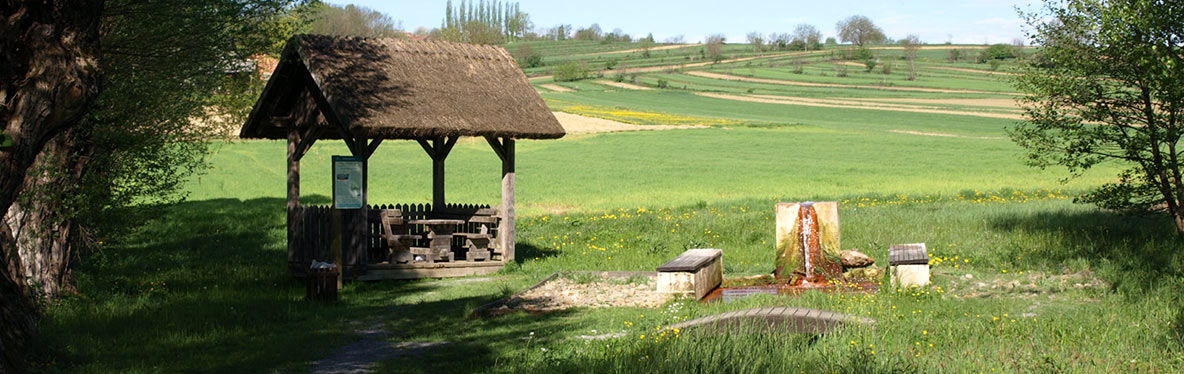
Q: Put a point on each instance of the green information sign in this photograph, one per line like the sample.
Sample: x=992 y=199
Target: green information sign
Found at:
x=347 y=182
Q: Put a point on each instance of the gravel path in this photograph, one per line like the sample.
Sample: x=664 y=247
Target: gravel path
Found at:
x=359 y=357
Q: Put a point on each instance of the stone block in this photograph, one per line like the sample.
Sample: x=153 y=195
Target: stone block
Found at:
x=905 y=276
x=695 y=272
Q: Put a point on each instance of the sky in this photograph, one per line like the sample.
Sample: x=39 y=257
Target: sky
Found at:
x=934 y=21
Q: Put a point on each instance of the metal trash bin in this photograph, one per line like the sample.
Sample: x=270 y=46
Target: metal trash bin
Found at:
x=322 y=284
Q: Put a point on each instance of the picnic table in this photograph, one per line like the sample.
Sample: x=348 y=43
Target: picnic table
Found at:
x=440 y=233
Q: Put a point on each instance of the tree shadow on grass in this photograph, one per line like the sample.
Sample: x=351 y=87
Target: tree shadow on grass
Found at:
x=205 y=288
x=1143 y=252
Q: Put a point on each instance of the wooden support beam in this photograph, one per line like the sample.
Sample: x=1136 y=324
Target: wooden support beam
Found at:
x=372 y=147
x=439 y=154
x=506 y=230
x=355 y=148
x=294 y=216
x=497 y=146
x=427 y=147
x=306 y=139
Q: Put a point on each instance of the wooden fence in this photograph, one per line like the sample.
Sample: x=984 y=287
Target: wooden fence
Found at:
x=313 y=234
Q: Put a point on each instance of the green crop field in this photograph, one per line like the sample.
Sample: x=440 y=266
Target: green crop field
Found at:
x=1024 y=279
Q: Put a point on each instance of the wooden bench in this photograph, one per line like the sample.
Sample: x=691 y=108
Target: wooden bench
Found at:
x=479 y=243
x=696 y=271
x=396 y=234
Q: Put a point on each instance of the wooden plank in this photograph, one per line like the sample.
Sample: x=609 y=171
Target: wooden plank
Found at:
x=384 y=272
x=427 y=147
x=908 y=254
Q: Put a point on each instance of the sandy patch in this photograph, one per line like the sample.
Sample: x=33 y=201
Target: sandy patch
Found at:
x=627 y=86
x=661 y=48
x=706 y=74
x=556 y=88
x=945 y=135
x=577 y=124
x=831 y=104
x=993 y=103
x=563 y=293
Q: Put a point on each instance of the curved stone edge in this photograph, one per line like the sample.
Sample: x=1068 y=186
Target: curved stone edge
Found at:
x=798 y=320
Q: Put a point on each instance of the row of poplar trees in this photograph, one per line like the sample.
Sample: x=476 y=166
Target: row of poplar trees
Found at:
x=482 y=22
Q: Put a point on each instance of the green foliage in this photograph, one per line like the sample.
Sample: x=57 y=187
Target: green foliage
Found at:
x=715 y=47
x=146 y=132
x=662 y=83
x=571 y=71
x=331 y=19
x=1110 y=92
x=489 y=22
x=870 y=64
x=859 y=30
x=5 y=141
x=528 y=57
x=998 y=52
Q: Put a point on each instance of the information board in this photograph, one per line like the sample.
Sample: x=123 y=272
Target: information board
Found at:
x=347 y=182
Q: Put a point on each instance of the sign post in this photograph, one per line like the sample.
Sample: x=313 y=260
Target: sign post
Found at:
x=348 y=184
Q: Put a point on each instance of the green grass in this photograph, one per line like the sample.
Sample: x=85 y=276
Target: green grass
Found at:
x=223 y=303
x=204 y=288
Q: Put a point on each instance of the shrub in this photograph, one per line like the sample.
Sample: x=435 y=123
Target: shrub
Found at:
x=997 y=52
x=662 y=83
x=955 y=54
x=886 y=69
x=870 y=64
x=840 y=70
x=527 y=57
x=797 y=67
x=610 y=64
x=571 y=71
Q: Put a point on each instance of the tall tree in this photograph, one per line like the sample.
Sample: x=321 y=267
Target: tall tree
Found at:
x=859 y=30
x=1109 y=87
x=51 y=75
x=354 y=20
x=806 y=35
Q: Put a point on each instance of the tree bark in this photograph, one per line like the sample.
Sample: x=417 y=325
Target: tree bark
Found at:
x=49 y=77
x=44 y=232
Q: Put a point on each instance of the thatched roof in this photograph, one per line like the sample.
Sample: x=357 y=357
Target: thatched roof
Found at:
x=395 y=89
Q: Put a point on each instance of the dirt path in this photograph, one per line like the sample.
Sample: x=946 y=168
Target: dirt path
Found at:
x=965 y=70
x=662 y=48
x=945 y=135
x=833 y=104
x=359 y=357
x=577 y=124
x=995 y=103
x=706 y=74
x=651 y=69
x=627 y=86
x=556 y=88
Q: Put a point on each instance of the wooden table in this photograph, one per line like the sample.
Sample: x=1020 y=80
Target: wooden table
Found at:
x=440 y=234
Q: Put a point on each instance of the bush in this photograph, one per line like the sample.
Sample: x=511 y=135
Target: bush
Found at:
x=998 y=52
x=840 y=70
x=870 y=64
x=610 y=64
x=662 y=83
x=797 y=67
x=955 y=55
x=886 y=69
x=571 y=71
x=527 y=57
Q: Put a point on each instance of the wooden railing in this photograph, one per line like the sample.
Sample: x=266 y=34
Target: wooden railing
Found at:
x=313 y=233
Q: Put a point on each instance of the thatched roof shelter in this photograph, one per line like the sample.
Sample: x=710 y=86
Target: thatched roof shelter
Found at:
x=366 y=90
x=397 y=89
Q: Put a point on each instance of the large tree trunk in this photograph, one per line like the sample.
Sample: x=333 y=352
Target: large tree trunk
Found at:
x=44 y=232
x=49 y=76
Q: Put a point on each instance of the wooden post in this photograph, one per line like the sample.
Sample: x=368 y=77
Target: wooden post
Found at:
x=438 y=175
x=338 y=242
x=294 y=218
x=506 y=229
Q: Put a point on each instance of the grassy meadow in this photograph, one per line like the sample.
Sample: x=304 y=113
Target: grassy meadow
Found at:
x=1024 y=280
